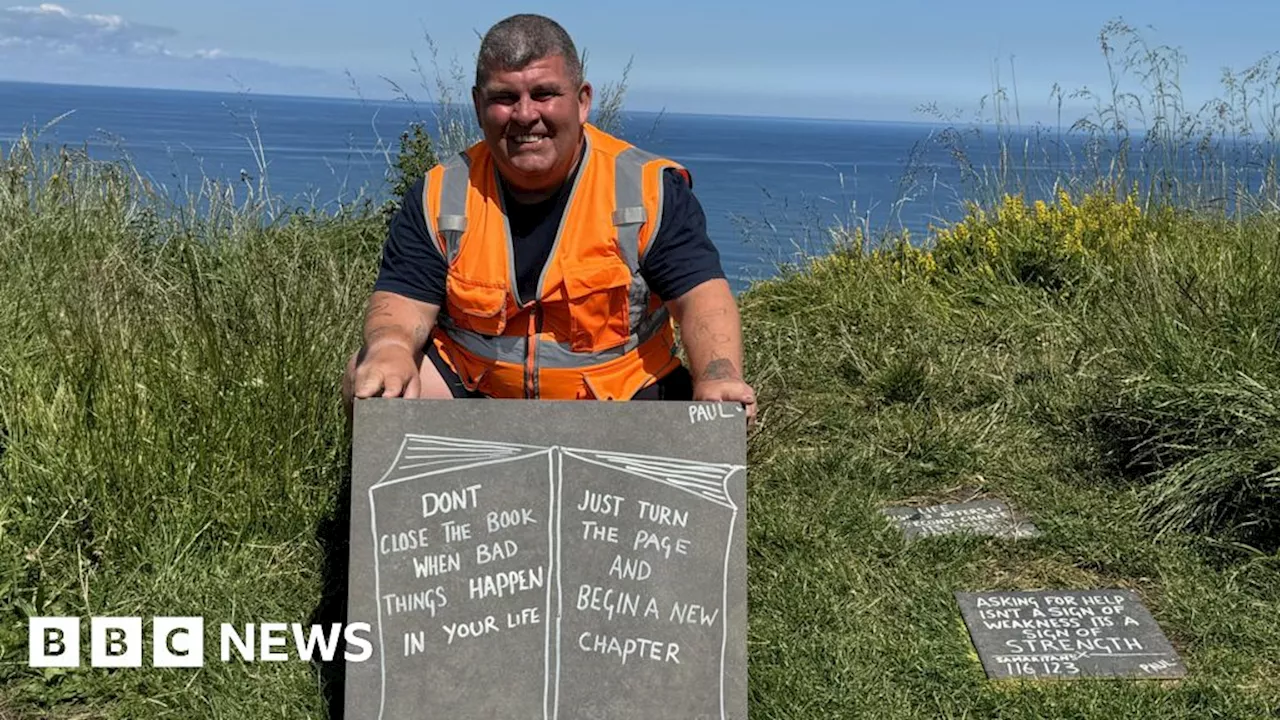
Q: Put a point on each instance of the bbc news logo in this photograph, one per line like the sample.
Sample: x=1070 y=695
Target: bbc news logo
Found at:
x=178 y=642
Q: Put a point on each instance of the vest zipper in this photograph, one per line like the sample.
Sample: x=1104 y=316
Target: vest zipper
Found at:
x=537 y=379
x=530 y=361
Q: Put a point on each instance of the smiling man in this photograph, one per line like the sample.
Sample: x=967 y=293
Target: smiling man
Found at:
x=551 y=259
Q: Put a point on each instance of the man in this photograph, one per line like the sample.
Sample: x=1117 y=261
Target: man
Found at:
x=549 y=259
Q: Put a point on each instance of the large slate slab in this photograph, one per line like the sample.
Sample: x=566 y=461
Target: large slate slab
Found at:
x=1067 y=634
x=980 y=517
x=543 y=559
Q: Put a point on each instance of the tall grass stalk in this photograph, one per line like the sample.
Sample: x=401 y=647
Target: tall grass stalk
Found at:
x=1220 y=157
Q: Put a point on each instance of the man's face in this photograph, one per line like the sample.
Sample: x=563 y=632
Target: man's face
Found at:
x=532 y=121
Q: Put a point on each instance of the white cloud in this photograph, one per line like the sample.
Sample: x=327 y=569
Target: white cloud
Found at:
x=49 y=43
x=53 y=27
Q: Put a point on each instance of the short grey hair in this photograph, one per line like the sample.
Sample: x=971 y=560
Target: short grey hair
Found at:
x=516 y=41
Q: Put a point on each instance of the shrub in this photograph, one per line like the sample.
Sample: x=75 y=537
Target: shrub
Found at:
x=1041 y=244
x=417 y=156
x=1051 y=246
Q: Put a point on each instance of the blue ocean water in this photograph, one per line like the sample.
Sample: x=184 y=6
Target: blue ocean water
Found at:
x=770 y=187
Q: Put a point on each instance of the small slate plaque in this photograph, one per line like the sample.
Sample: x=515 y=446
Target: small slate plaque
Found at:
x=982 y=517
x=1067 y=634
x=543 y=559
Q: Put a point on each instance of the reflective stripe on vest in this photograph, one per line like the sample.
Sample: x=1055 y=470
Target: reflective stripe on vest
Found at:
x=629 y=216
x=452 y=220
x=511 y=348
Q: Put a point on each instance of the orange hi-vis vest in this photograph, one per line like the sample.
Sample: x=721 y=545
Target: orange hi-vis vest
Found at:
x=594 y=329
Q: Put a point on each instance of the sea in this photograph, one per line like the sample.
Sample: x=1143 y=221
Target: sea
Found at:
x=774 y=190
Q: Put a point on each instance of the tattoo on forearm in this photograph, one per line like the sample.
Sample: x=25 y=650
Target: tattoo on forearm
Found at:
x=379 y=310
x=705 y=325
x=720 y=369
x=380 y=323
x=417 y=335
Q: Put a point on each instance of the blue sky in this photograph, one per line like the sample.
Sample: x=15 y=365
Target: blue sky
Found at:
x=804 y=58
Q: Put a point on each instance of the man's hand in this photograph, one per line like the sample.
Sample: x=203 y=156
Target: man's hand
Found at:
x=389 y=370
x=395 y=331
x=727 y=389
x=712 y=335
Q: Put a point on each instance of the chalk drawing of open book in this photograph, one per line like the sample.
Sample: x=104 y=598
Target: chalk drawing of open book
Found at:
x=549 y=581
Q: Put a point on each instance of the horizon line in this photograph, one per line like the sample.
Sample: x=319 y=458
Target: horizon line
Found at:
x=936 y=123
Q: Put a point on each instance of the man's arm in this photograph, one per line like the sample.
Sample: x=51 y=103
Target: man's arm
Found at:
x=402 y=309
x=682 y=267
x=711 y=332
x=395 y=331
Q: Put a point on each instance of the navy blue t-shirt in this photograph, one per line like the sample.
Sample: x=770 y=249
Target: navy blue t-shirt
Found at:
x=681 y=257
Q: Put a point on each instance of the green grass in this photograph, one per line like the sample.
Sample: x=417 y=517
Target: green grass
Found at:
x=879 y=390
x=172 y=439
x=172 y=442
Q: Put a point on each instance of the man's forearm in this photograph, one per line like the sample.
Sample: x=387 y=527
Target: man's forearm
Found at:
x=711 y=331
x=394 y=319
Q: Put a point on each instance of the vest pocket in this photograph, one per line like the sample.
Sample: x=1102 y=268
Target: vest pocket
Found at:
x=477 y=306
x=598 y=295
